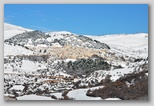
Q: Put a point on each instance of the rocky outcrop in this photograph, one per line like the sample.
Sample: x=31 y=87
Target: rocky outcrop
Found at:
x=35 y=38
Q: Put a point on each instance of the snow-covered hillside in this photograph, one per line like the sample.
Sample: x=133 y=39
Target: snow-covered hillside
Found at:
x=16 y=50
x=59 y=33
x=126 y=40
x=66 y=66
x=11 y=30
x=130 y=44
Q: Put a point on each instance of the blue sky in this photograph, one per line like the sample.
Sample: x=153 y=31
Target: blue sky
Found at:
x=92 y=19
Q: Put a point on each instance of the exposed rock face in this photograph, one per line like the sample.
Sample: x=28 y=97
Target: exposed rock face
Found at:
x=70 y=52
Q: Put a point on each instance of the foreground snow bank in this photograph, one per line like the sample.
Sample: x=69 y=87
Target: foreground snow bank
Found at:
x=80 y=94
x=33 y=97
x=112 y=99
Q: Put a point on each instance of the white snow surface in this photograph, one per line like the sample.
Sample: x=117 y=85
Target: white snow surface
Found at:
x=9 y=95
x=33 y=97
x=126 y=40
x=59 y=32
x=42 y=45
x=56 y=45
x=112 y=99
x=57 y=35
x=146 y=74
x=67 y=60
x=80 y=94
x=130 y=44
x=115 y=74
x=11 y=30
x=60 y=35
x=17 y=87
x=27 y=66
x=16 y=50
x=30 y=66
x=58 y=95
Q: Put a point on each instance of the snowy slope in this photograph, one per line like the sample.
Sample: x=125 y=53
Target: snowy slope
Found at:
x=34 y=97
x=80 y=94
x=16 y=50
x=30 y=66
x=59 y=33
x=115 y=74
x=11 y=30
x=26 y=66
x=126 y=40
x=130 y=44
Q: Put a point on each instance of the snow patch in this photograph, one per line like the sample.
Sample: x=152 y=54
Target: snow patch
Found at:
x=30 y=66
x=112 y=99
x=58 y=95
x=16 y=50
x=67 y=60
x=17 y=87
x=34 y=97
x=146 y=74
x=80 y=94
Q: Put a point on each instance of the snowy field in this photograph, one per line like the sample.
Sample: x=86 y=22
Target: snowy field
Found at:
x=12 y=30
x=34 y=97
x=80 y=94
x=27 y=77
x=130 y=44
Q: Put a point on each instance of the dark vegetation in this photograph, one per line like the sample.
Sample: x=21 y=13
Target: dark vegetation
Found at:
x=34 y=58
x=23 y=38
x=86 y=66
x=65 y=97
x=136 y=90
x=96 y=44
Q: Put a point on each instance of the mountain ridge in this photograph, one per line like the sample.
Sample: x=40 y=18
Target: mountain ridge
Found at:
x=38 y=37
x=66 y=32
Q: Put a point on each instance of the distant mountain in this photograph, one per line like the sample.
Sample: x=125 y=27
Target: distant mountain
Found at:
x=135 y=45
x=126 y=40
